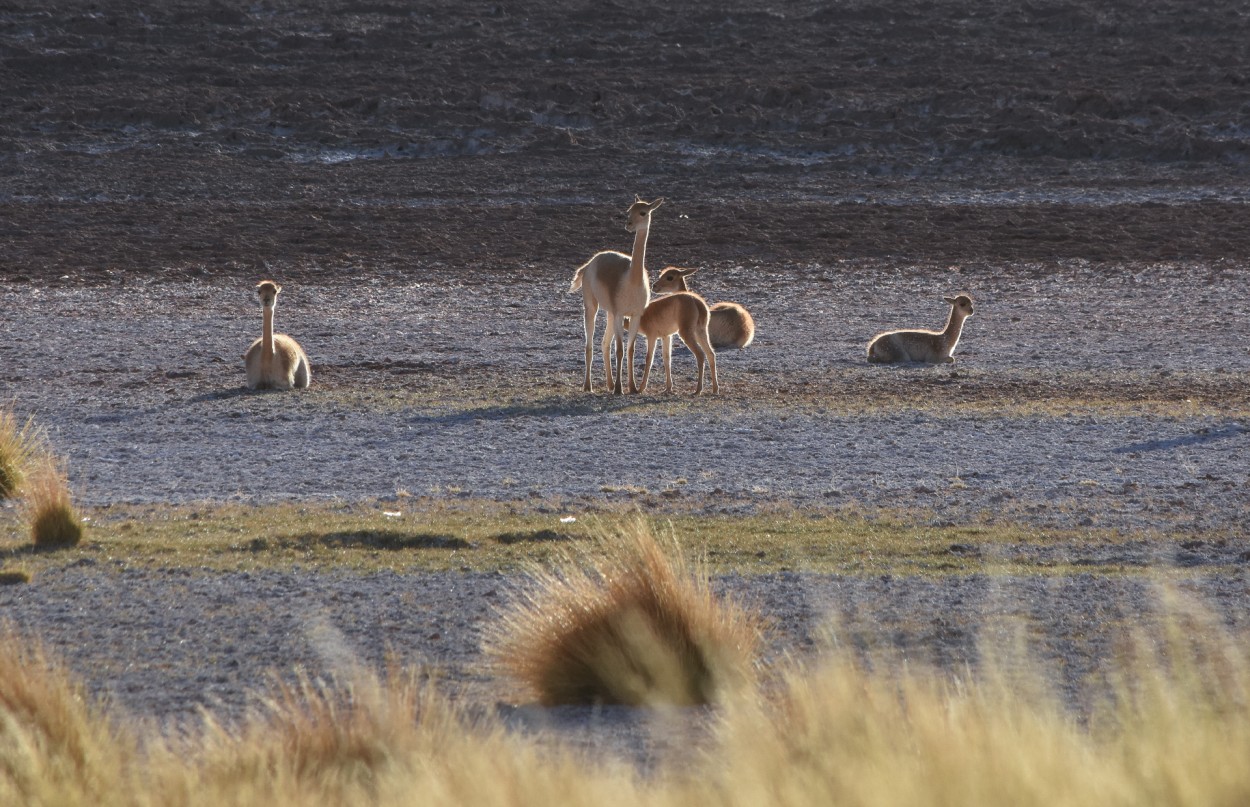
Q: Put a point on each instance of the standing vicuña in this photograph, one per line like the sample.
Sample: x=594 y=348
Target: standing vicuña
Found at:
x=731 y=325
x=275 y=361
x=618 y=284
x=683 y=313
x=932 y=347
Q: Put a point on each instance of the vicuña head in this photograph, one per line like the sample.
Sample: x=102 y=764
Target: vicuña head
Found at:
x=930 y=347
x=731 y=325
x=275 y=361
x=639 y=214
x=618 y=284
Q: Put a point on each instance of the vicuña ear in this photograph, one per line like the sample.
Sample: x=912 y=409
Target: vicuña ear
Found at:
x=950 y=300
x=657 y=203
x=687 y=272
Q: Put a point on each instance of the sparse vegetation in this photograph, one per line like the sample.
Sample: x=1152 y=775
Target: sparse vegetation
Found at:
x=471 y=534
x=1176 y=731
x=57 y=745
x=625 y=622
x=20 y=446
x=49 y=509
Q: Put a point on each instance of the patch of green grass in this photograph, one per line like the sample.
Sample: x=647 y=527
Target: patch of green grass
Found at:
x=425 y=534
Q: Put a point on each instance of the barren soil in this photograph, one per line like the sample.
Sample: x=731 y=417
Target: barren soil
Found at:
x=423 y=180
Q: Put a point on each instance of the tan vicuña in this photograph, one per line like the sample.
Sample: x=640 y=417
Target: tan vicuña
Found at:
x=686 y=314
x=618 y=284
x=275 y=361
x=731 y=325
x=929 y=347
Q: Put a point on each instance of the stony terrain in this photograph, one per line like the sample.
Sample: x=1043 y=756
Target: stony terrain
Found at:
x=424 y=180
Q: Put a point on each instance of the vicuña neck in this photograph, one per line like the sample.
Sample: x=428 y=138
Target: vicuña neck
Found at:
x=267 y=333
x=638 y=262
x=954 y=324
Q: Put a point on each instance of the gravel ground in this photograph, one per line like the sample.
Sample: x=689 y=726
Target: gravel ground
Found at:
x=434 y=387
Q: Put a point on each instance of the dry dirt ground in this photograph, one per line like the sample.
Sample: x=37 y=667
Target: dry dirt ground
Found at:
x=424 y=178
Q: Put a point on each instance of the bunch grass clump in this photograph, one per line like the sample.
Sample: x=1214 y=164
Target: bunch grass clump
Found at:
x=318 y=742
x=625 y=622
x=1173 y=728
x=57 y=745
x=49 y=508
x=20 y=447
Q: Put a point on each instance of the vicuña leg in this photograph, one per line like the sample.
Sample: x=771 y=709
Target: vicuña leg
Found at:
x=652 y=347
x=618 y=326
x=592 y=310
x=634 y=322
x=606 y=350
x=697 y=340
x=668 y=363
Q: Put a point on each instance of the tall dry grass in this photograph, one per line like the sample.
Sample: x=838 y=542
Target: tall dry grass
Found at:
x=20 y=445
x=625 y=622
x=57 y=745
x=48 y=507
x=1175 y=732
x=365 y=741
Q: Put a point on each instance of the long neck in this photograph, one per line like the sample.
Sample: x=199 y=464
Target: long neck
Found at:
x=637 y=262
x=954 y=324
x=267 y=333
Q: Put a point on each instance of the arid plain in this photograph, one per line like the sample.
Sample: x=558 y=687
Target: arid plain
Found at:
x=424 y=181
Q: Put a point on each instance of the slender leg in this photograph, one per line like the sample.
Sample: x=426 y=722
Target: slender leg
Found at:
x=617 y=327
x=651 y=347
x=668 y=363
x=606 y=345
x=634 y=322
x=688 y=336
x=592 y=310
x=711 y=360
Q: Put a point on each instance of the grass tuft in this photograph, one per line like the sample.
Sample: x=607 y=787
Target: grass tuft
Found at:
x=48 y=508
x=19 y=447
x=57 y=746
x=1175 y=730
x=625 y=622
x=319 y=741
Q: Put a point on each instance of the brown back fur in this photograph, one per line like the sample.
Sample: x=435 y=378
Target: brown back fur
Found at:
x=730 y=325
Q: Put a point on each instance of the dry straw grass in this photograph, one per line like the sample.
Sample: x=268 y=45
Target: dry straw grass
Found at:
x=625 y=622
x=57 y=746
x=365 y=741
x=20 y=446
x=1176 y=732
x=48 y=508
